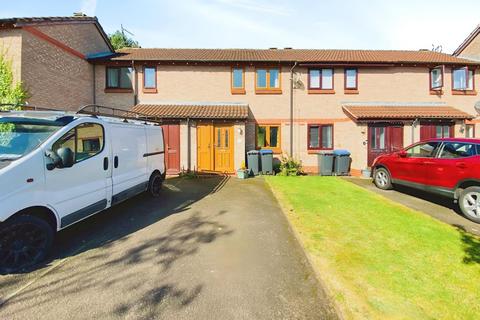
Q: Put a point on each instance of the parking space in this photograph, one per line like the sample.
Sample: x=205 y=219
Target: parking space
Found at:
x=214 y=248
x=441 y=208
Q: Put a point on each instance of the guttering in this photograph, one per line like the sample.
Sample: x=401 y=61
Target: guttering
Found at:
x=291 y=108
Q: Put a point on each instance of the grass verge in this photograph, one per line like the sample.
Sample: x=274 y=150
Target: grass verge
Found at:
x=378 y=258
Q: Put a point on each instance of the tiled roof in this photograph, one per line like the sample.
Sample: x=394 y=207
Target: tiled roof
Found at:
x=290 y=55
x=358 y=112
x=467 y=41
x=45 y=20
x=234 y=111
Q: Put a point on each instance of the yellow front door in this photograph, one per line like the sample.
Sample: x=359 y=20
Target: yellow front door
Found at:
x=205 y=147
x=223 y=152
x=215 y=148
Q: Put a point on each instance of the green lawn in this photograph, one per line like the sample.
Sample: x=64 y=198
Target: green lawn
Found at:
x=380 y=259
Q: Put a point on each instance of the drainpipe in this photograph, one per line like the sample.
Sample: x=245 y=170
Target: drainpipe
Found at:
x=291 y=108
x=414 y=124
x=189 y=161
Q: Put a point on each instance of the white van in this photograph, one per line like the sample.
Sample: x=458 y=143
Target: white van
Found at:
x=58 y=168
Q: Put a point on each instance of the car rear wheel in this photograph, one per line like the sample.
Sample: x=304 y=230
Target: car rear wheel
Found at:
x=382 y=179
x=469 y=202
x=155 y=184
x=24 y=241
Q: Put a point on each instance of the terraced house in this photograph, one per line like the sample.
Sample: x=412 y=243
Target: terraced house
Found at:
x=219 y=103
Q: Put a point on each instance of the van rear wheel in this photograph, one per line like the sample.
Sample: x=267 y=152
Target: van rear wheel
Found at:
x=155 y=184
x=24 y=241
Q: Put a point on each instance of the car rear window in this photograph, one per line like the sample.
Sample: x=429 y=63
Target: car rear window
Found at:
x=451 y=150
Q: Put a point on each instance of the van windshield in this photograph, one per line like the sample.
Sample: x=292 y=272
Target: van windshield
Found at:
x=19 y=136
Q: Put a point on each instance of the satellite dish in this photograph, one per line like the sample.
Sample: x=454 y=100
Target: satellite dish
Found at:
x=477 y=107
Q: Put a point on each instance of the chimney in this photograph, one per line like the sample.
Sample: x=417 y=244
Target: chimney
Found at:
x=79 y=14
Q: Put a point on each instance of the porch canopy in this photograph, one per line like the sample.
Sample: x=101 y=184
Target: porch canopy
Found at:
x=396 y=112
x=199 y=111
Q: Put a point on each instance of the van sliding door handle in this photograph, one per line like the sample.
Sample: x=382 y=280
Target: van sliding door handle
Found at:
x=115 y=162
x=105 y=163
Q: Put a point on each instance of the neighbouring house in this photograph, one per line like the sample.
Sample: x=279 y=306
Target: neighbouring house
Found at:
x=50 y=56
x=470 y=47
x=217 y=104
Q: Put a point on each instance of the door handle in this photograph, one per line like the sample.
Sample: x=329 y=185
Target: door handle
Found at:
x=461 y=165
x=115 y=162
x=428 y=162
x=105 y=163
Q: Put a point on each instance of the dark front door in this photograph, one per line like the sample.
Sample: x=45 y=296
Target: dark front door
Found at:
x=434 y=130
x=382 y=139
x=171 y=134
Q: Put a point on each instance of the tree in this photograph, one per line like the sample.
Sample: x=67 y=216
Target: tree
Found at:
x=10 y=92
x=119 y=40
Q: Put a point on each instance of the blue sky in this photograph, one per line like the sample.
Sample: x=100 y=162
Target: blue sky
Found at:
x=347 y=24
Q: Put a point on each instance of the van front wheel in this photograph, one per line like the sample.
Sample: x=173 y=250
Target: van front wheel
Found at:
x=155 y=184
x=24 y=241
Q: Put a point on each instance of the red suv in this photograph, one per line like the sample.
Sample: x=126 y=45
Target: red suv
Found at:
x=448 y=167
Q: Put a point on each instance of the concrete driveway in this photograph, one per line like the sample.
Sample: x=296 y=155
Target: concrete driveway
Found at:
x=440 y=208
x=215 y=248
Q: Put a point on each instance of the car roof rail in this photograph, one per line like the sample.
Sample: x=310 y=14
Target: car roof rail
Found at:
x=7 y=107
x=103 y=111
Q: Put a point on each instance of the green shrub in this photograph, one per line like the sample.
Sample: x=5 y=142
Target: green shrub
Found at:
x=290 y=167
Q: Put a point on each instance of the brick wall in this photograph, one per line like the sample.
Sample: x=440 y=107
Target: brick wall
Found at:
x=54 y=77
x=84 y=38
x=212 y=83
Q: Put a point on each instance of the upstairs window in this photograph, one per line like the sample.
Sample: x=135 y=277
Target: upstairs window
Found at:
x=351 y=78
x=119 y=78
x=149 y=78
x=462 y=79
x=267 y=79
x=238 y=80
x=320 y=79
x=436 y=78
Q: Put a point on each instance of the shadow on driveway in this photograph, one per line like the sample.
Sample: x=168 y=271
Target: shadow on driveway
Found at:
x=101 y=238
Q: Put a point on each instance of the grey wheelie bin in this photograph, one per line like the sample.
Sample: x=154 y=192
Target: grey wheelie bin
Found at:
x=267 y=161
x=253 y=162
x=325 y=163
x=341 y=166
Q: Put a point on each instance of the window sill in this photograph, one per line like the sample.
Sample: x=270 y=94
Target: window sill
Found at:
x=238 y=91
x=274 y=150
x=464 y=92
x=351 y=91
x=316 y=151
x=321 y=91
x=150 y=90
x=268 y=91
x=436 y=92
x=118 y=90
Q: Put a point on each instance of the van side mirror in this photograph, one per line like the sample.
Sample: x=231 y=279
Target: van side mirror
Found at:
x=63 y=158
x=402 y=154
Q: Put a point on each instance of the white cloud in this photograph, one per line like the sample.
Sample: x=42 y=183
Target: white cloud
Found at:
x=89 y=7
